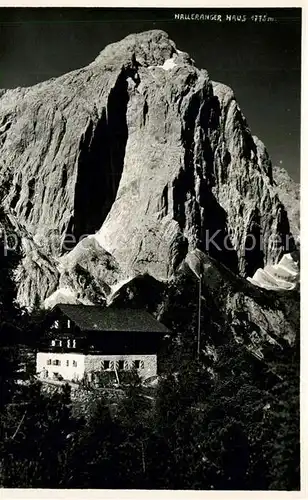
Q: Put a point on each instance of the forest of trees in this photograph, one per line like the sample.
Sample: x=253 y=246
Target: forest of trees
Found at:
x=226 y=423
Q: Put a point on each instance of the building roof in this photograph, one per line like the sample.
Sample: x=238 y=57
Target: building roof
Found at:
x=108 y=319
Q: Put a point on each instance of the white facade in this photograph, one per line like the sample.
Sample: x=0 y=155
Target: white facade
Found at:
x=68 y=365
x=74 y=366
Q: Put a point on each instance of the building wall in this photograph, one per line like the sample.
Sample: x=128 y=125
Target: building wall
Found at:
x=147 y=369
x=69 y=372
x=91 y=363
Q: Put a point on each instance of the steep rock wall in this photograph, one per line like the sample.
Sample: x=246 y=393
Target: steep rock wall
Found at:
x=289 y=194
x=142 y=150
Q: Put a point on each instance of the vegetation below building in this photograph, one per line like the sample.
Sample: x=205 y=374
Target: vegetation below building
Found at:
x=225 y=421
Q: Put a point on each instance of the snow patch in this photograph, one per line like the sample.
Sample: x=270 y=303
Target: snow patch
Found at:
x=281 y=276
x=168 y=64
x=60 y=296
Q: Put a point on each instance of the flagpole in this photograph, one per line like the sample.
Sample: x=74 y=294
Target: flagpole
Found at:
x=199 y=316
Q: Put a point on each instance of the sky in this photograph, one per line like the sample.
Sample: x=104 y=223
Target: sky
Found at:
x=260 y=60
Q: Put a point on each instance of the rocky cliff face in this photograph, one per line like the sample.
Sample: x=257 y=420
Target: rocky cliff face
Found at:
x=255 y=316
x=144 y=153
x=289 y=194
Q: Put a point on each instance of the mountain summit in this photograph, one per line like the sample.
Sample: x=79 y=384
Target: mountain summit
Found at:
x=125 y=166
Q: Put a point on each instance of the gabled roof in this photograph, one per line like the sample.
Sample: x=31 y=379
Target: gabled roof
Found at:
x=108 y=319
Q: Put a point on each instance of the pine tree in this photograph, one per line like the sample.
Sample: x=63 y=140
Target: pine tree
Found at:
x=93 y=461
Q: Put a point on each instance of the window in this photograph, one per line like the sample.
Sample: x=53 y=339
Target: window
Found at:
x=46 y=374
x=68 y=323
x=75 y=363
x=106 y=364
x=55 y=343
x=68 y=343
x=121 y=365
x=137 y=364
x=74 y=343
x=56 y=324
x=48 y=362
x=67 y=363
x=56 y=362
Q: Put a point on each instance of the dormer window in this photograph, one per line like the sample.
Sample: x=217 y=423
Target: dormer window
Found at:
x=56 y=343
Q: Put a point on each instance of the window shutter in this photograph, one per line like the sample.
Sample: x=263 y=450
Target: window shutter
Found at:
x=141 y=364
x=126 y=367
x=111 y=365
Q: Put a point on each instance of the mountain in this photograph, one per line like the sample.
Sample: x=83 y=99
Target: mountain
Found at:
x=125 y=167
x=289 y=194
